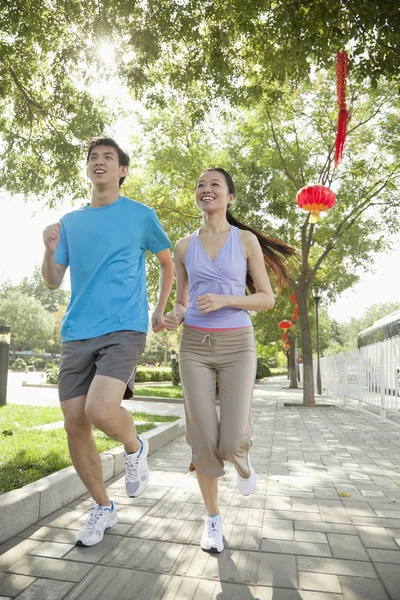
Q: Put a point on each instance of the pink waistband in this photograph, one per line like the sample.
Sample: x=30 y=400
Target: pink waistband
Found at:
x=219 y=328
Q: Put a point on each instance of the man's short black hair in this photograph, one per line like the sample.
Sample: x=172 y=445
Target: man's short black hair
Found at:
x=123 y=158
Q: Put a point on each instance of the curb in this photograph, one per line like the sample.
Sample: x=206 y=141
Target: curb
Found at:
x=19 y=509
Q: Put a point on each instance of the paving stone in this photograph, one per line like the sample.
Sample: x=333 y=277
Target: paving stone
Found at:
x=376 y=537
x=12 y=585
x=110 y=583
x=51 y=568
x=46 y=589
x=310 y=536
x=51 y=550
x=132 y=514
x=50 y=534
x=18 y=551
x=167 y=530
x=183 y=588
x=334 y=515
x=347 y=546
x=390 y=577
x=173 y=510
x=149 y=555
x=299 y=548
x=336 y=566
x=319 y=582
x=62 y=517
x=356 y=588
x=291 y=515
x=242 y=538
x=277 y=570
x=93 y=554
x=387 y=556
x=325 y=527
x=250 y=517
x=276 y=529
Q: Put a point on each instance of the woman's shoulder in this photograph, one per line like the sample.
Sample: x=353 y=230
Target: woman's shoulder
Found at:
x=183 y=244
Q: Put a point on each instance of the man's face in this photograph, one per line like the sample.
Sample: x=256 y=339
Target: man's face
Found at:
x=103 y=166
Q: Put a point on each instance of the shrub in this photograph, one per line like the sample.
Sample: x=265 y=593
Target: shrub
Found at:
x=176 y=376
x=52 y=375
x=263 y=369
x=19 y=365
x=153 y=374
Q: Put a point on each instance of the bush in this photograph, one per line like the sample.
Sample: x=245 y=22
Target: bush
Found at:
x=176 y=376
x=52 y=375
x=144 y=374
x=263 y=369
x=19 y=365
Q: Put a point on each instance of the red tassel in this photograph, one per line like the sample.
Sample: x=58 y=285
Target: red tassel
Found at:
x=341 y=74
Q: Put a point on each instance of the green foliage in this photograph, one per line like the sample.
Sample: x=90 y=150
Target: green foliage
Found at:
x=19 y=365
x=35 y=287
x=144 y=374
x=176 y=376
x=263 y=369
x=31 y=325
x=52 y=375
x=164 y=391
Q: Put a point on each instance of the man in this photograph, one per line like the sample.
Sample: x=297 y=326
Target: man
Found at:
x=104 y=329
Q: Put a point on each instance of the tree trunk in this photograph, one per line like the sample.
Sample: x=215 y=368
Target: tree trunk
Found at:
x=308 y=374
x=292 y=362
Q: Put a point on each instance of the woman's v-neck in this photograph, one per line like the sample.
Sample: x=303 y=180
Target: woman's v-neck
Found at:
x=219 y=251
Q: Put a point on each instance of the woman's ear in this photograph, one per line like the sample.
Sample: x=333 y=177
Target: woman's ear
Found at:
x=232 y=198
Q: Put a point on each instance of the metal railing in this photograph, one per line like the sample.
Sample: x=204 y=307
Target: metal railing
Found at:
x=370 y=375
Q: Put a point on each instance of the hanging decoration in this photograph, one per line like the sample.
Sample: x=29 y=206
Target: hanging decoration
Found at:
x=295 y=315
x=315 y=199
x=342 y=71
x=285 y=325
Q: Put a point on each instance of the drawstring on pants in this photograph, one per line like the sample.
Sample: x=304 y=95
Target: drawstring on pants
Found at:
x=210 y=338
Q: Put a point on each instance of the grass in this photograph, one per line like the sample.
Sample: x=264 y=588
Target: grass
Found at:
x=165 y=391
x=26 y=456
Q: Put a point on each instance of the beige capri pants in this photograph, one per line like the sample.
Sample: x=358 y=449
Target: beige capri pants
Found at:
x=233 y=355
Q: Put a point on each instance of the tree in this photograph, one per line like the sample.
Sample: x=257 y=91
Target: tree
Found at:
x=272 y=151
x=31 y=325
x=34 y=286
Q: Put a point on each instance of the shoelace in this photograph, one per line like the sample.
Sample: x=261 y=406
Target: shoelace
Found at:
x=95 y=515
x=213 y=525
x=133 y=468
x=210 y=338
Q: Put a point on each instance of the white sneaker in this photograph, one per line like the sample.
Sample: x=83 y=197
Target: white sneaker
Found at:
x=98 y=521
x=137 y=472
x=211 y=540
x=246 y=486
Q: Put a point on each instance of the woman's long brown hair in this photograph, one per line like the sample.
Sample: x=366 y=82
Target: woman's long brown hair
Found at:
x=275 y=252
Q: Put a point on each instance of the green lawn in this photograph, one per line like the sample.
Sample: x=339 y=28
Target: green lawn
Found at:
x=26 y=456
x=165 y=391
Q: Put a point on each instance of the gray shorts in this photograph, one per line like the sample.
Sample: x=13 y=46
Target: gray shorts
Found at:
x=115 y=355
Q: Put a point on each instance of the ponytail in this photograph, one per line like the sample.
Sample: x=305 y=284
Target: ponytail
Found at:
x=274 y=253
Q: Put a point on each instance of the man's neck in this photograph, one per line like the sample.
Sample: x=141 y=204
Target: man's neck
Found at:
x=103 y=197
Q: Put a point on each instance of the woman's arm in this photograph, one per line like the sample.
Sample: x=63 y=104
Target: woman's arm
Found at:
x=173 y=319
x=263 y=298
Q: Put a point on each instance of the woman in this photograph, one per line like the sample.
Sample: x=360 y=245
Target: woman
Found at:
x=213 y=267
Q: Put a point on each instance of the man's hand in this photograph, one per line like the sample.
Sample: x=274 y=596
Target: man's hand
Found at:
x=157 y=321
x=172 y=321
x=51 y=237
x=209 y=302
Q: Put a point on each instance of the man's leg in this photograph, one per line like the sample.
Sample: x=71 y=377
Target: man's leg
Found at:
x=82 y=448
x=103 y=409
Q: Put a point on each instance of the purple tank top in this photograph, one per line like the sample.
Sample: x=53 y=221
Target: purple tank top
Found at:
x=224 y=275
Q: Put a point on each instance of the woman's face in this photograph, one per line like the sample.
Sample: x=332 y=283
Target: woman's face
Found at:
x=212 y=193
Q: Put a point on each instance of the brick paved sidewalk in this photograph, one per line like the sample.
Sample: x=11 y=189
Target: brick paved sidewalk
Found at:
x=323 y=523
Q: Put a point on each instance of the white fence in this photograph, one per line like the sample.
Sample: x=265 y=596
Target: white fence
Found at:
x=370 y=375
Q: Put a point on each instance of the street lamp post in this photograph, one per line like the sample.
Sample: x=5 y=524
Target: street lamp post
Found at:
x=4 y=352
x=316 y=293
x=173 y=361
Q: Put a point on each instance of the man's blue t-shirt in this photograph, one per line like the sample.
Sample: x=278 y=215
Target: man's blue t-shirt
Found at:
x=105 y=249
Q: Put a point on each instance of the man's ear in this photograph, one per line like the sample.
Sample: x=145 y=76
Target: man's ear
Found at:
x=123 y=170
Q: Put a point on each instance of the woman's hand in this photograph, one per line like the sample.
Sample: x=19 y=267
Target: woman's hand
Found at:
x=209 y=302
x=172 y=320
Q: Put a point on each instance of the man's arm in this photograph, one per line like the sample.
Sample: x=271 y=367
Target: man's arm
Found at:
x=165 y=287
x=52 y=272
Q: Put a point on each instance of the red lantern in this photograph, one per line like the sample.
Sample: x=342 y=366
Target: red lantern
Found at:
x=315 y=199
x=295 y=315
x=285 y=325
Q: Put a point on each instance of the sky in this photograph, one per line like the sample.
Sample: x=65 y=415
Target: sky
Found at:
x=21 y=248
